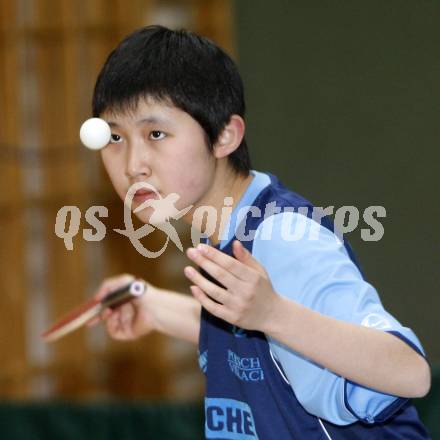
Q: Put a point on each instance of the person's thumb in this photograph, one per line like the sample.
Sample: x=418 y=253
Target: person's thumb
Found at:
x=245 y=257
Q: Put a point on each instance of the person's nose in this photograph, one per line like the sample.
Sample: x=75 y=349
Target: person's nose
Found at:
x=137 y=162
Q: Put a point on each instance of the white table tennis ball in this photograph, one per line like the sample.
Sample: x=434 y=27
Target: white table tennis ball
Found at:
x=95 y=133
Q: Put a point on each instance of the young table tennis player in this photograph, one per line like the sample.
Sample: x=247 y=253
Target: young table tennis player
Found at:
x=294 y=342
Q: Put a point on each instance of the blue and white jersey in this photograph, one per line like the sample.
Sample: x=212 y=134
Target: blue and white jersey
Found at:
x=256 y=388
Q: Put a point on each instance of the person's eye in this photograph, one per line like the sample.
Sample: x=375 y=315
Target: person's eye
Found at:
x=156 y=135
x=115 y=138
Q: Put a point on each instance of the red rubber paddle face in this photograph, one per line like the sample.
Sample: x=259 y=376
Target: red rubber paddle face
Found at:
x=71 y=316
x=87 y=311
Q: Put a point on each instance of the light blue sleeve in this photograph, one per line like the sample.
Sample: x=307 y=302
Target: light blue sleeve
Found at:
x=307 y=263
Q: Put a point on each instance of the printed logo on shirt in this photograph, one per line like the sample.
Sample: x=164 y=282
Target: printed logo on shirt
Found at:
x=203 y=361
x=374 y=320
x=247 y=369
x=229 y=419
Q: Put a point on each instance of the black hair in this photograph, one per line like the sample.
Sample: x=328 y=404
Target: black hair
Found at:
x=180 y=67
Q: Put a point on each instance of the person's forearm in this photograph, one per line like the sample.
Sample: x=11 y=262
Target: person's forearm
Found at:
x=175 y=314
x=369 y=357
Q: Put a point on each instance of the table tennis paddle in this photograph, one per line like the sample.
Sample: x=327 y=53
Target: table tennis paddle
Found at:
x=87 y=311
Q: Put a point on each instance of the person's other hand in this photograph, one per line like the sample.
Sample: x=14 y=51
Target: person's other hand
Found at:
x=247 y=298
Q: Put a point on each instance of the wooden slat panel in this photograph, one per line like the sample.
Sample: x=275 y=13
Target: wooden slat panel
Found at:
x=214 y=19
x=71 y=40
x=12 y=338
x=47 y=14
x=57 y=79
x=131 y=15
x=8 y=16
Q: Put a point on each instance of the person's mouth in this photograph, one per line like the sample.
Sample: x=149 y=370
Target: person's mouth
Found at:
x=141 y=195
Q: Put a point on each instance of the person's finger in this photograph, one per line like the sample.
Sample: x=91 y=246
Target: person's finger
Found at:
x=126 y=315
x=106 y=314
x=244 y=256
x=213 y=268
x=212 y=290
x=112 y=324
x=230 y=264
x=103 y=316
x=210 y=305
x=112 y=283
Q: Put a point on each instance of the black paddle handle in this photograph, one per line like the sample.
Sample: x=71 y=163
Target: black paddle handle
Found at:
x=123 y=294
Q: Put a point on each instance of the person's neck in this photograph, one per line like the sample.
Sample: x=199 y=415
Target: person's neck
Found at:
x=237 y=188
x=227 y=183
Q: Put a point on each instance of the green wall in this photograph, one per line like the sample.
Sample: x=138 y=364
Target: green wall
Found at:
x=344 y=106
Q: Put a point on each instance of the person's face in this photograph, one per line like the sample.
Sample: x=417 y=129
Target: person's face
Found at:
x=163 y=146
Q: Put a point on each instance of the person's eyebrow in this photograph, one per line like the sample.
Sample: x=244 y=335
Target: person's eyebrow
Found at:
x=148 y=120
x=153 y=120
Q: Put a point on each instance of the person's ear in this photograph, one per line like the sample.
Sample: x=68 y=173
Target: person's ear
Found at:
x=230 y=138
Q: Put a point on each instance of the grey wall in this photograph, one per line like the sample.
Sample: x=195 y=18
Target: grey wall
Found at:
x=344 y=106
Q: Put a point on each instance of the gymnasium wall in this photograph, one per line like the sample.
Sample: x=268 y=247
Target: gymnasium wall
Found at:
x=343 y=105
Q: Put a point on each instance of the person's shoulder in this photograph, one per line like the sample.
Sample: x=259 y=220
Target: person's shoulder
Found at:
x=277 y=191
x=278 y=200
